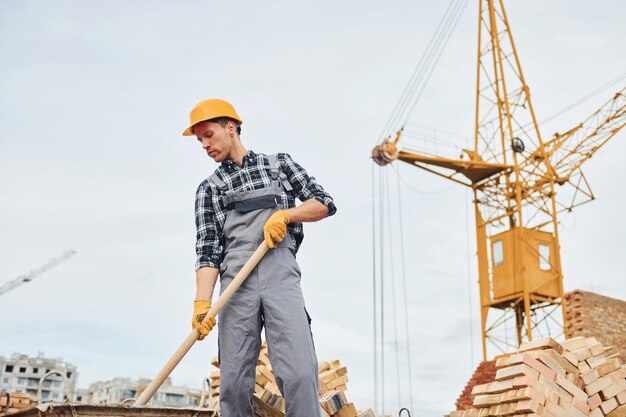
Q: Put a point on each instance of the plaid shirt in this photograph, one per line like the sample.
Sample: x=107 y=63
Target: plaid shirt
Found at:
x=253 y=174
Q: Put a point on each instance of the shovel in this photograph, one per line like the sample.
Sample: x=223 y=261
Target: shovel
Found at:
x=193 y=336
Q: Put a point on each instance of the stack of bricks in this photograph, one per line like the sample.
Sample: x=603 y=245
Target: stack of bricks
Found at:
x=486 y=372
x=17 y=402
x=588 y=314
x=579 y=378
x=269 y=402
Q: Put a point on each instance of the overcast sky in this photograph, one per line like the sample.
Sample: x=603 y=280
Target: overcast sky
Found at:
x=95 y=96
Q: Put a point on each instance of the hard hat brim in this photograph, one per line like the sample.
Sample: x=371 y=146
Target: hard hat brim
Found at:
x=209 y=109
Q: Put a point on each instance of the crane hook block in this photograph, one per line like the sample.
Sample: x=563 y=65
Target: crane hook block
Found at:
x=385 y=153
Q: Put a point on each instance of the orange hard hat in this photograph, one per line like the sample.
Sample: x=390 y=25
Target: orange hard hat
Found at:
x=210 y=109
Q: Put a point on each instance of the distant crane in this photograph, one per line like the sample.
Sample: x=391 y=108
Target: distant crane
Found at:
x=514 y=173
x=23 y=279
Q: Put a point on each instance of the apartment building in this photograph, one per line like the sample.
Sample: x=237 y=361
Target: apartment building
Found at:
x=117 y=390
x=21 y=373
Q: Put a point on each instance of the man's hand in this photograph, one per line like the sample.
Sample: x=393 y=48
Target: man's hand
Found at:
x=200 y=308
x=275 y=228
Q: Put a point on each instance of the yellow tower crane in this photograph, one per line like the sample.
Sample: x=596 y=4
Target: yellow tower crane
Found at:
x=515 y=174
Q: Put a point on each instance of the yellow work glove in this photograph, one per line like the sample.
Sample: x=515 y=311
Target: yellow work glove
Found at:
x=200 y=308
x=275 y=228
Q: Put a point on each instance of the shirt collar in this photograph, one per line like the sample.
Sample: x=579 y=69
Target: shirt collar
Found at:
x=229 y=164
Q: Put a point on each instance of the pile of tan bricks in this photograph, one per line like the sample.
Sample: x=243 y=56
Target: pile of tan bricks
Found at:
x=15 y=402
x=268 y=401
x=588 y=314
x=578 y=378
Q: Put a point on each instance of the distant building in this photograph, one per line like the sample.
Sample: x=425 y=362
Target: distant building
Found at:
x=21 y=373
x=117 y=390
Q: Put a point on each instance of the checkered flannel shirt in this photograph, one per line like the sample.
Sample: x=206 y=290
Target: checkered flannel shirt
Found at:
x=253 y=174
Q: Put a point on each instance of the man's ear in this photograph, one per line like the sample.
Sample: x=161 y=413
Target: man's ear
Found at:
x=232 y=127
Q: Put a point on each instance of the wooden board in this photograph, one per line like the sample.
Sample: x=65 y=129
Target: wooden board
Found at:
x=114 y=411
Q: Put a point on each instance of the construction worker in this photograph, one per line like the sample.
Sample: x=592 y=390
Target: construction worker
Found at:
x=250 y=198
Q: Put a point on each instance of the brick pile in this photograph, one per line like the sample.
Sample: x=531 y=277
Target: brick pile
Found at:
x=268 y=401
x=14 y=402
x=590 y=314
x=578 y=378
x=486 y=372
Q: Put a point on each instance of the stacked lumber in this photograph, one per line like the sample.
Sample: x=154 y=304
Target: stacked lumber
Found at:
x=17 y=402
x=214 y=393
x=332 y=385
x=265 y=387
x=578 y=378
x=268 y=401
x=332 y=376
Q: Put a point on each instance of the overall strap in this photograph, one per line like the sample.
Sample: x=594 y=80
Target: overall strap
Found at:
x=277 y=174
x=225 y=194
x=274 y=170
x=218 y=182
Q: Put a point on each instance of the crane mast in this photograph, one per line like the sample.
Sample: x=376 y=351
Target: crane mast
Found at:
x=23 y=279
x=514 y=174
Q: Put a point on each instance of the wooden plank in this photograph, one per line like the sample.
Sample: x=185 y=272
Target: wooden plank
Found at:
x=262 y=409
x=575 y=343
x=595 y=361
x=594 y=401
x=608 y=405
x=599 y=384
x=538 y=344
x=348 y=410
x=571 y=388
x=618 y=412
x=333 y=401
x=560 y=361
x=613 y=390
x=608 y=367
x=516 y=370
x=540 y=367
x=342 y=380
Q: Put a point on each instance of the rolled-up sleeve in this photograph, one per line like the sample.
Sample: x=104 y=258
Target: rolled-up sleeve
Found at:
x=209 y=246
x=305 y=186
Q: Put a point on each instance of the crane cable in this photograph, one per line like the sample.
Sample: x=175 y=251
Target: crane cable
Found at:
x=416 y=76
x=425 y=67
x=383 y=254
x=393 y=289
x=586 y=97
x=454 y=20
x=382 y=293
x=404 y=107
x=404 y=291
x=469 y=280
x=375 y=345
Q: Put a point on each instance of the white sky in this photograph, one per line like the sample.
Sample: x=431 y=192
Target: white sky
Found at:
x=95 y=95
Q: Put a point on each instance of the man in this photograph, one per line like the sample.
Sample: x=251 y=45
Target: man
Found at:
x=248 y=199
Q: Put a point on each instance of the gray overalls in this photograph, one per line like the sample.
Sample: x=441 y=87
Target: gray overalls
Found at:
x=271 y=296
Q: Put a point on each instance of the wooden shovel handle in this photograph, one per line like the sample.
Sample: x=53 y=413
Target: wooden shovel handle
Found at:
x=193 y=336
